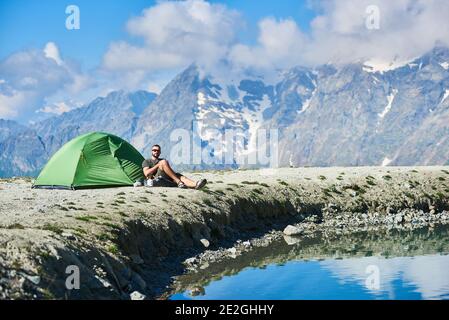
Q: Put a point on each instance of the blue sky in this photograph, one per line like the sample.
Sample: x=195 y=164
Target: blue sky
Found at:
x=26 y=24
x=142 y=44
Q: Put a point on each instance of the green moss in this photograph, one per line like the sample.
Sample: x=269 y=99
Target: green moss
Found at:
x=122 y=214
x=15 y=226
x=53 y=228
x=113 y=249
x=110 y=225
x=86 y=218
x=250 y=182
x=207 y=202
x=105 y=237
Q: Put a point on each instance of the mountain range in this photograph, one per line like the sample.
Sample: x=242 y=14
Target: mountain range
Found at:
x=331 y=115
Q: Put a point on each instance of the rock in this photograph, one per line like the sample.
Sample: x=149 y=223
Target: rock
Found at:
x=34 y=279
x=205 y=242
x=136 y=295
x=247 y=244
x=68 y=236
x=103 y=282
x=190 y=261
x=291 y=240
x=136 y=259
x=197 y=291
x=398 y=219
x=292 y=231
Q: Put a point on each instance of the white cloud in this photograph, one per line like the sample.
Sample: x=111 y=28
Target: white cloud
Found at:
x=175 y=33
x=60 y=107
x=52 y=52
x=33 y=77
x=408 y=28
x=427 y=273
x=279 y=44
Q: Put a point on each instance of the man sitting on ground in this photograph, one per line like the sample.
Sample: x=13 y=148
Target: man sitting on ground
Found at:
x=159 y=168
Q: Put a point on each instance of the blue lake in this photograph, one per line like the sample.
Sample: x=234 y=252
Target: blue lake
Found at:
x=399 y=265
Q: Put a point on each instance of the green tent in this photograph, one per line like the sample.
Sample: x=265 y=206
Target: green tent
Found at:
x=93 y=160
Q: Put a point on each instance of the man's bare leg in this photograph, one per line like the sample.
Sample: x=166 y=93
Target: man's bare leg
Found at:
x=188 y=182
x=165 y=166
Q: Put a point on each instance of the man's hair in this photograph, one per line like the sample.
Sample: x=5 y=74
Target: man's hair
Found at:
x=156 y=145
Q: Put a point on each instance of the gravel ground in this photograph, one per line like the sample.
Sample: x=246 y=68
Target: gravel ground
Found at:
x=130 y=242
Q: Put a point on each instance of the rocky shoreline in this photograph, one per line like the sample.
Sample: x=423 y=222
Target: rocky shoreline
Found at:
x=129 y=243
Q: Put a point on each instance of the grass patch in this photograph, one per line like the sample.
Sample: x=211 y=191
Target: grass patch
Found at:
x=441 y=179
x=120 y=201
x=113 y=249
x=387 y=177
x=445 y=171
x=163 y=195
x=181 y=196
x=111 y=225
x=250 y=182
x=86 y=218
x=207 y=202
x=53 y=228
x=219 y=191
x=283 y=183
x=77 y=209
x=15 y=226
x=120 y=194
x=105 y=237
x=322 y=177
x=122 y=214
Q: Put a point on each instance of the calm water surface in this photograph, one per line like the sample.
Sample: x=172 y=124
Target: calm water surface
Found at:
x=388 y=265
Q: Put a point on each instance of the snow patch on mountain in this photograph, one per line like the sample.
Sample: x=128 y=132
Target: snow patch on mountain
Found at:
x=445 y=65
x=373 y=65
x=446 y=94
x=306 y=103
x=386 y=162
x=390 y=99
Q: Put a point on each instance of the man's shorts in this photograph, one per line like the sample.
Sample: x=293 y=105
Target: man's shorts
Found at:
x=163 y=180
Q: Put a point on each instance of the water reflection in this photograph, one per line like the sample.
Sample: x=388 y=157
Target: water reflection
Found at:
x=388 y=265
x=426 y=275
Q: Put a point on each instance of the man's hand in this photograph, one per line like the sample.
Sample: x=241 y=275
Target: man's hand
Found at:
x=149 y=172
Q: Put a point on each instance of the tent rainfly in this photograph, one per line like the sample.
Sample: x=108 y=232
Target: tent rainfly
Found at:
x=92 y=160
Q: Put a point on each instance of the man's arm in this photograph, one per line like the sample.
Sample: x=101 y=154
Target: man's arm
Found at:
x=149 y=172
